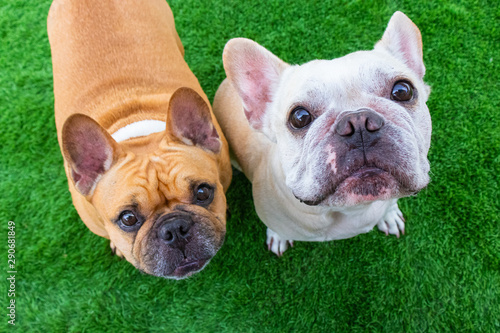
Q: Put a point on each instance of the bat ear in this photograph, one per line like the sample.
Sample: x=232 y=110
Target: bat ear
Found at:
x=403 y=40
x=189 y=120
x=89 y=150
x=255 y=73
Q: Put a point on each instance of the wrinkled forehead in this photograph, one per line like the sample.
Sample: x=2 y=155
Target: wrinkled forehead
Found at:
x=190 y=163
x=345 y=78
x=148 y=180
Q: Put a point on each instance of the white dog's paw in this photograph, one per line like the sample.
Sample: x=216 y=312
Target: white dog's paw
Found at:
x=115 y=250
x=277 y=244
x=393 y=222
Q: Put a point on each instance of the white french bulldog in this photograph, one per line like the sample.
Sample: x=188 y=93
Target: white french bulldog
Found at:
x=330 y=145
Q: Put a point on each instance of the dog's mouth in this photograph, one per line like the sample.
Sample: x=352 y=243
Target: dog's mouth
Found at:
x=366 y=184
x=365 y=173
x=188 y=267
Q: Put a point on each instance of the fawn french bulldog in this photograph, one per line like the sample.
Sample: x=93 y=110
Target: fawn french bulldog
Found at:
x=330 y=145
x=146 y=161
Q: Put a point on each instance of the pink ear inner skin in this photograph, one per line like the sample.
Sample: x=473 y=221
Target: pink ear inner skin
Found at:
x=405 y=41
x=255 y=96
x=255 y=73
x=190 y=119
x=88 y=150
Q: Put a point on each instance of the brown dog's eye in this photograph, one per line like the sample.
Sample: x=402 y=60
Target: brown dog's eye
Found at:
x=128 y=218
x=204 y=194
x=300 y=118
x=402 y=91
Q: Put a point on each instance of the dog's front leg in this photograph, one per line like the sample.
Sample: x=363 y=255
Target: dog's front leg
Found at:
x=393 y=221
x=276 y=243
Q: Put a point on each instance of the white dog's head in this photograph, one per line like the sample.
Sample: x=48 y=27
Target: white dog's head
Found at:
x=349 y=130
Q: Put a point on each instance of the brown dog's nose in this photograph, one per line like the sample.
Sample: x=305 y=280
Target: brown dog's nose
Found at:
x=175 y=232
x=359 y=121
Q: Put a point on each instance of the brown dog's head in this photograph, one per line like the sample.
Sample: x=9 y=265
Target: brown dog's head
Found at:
x=163 y=206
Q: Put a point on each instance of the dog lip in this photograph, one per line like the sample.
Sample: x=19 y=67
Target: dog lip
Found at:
x=308 y=202
x=188 y=267
x=361 y=173
x=366 y=172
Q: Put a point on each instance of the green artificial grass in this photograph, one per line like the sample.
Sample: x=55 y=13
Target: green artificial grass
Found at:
x=442 y=276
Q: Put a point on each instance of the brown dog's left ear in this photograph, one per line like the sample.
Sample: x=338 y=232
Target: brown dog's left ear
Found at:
x=189 y=120
x=403 y=40
x=89 y=150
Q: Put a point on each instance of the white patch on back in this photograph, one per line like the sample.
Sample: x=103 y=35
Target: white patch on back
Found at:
x=139 y=128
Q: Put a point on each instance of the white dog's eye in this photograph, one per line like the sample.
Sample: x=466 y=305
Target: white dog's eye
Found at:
x=402 y=91
x=300 y=118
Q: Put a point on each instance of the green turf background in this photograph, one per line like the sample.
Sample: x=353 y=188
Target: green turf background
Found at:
x=443 y=276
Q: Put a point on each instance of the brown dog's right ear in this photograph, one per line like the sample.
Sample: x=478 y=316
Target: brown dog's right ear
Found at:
x=255 y=73
x=89 y=149
x=189 y=121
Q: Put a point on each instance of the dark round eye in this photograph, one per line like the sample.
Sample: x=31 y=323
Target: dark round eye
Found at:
x=204 y=194
x=300 y=118
x=402 y=91
x=128 y=218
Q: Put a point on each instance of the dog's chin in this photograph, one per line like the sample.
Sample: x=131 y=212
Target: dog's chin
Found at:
x=188 y=267
x=182 y=270
x=365 y=185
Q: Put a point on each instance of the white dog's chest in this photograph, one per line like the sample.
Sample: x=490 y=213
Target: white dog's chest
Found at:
x=306 y=227
x=293 y=220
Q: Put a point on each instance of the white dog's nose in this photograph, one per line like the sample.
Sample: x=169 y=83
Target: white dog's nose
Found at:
x=363 y=120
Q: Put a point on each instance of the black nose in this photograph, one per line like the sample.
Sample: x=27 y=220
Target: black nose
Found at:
x=175 y=232
x=363 y=120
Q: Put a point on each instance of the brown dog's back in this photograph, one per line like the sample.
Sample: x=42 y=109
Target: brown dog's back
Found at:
x=93 y=82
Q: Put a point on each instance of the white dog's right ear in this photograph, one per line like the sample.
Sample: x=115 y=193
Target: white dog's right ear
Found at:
x=255 y=73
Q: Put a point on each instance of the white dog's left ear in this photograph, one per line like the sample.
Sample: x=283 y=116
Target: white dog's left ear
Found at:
x=403 y=40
